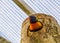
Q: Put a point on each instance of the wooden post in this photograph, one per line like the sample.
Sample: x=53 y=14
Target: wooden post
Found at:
x=28 y=10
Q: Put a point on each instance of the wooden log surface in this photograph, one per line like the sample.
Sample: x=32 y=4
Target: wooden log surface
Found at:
x=50 y=33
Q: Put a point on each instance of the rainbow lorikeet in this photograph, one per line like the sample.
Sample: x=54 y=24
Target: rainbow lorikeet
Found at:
x=35 y=25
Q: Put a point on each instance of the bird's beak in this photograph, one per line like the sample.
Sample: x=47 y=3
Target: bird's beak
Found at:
x=29 y=18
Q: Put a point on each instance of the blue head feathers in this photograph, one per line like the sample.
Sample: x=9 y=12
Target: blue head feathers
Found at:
x=32 y=19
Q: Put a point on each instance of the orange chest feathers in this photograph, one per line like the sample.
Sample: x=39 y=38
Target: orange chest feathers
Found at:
x=34 y=26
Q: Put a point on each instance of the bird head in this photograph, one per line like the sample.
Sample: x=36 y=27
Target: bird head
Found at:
x=34 y=24
x=33 y=19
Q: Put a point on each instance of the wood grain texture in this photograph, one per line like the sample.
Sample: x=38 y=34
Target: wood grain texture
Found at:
x=48 y=34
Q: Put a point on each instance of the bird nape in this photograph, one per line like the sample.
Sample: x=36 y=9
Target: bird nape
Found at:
x=35 y=25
